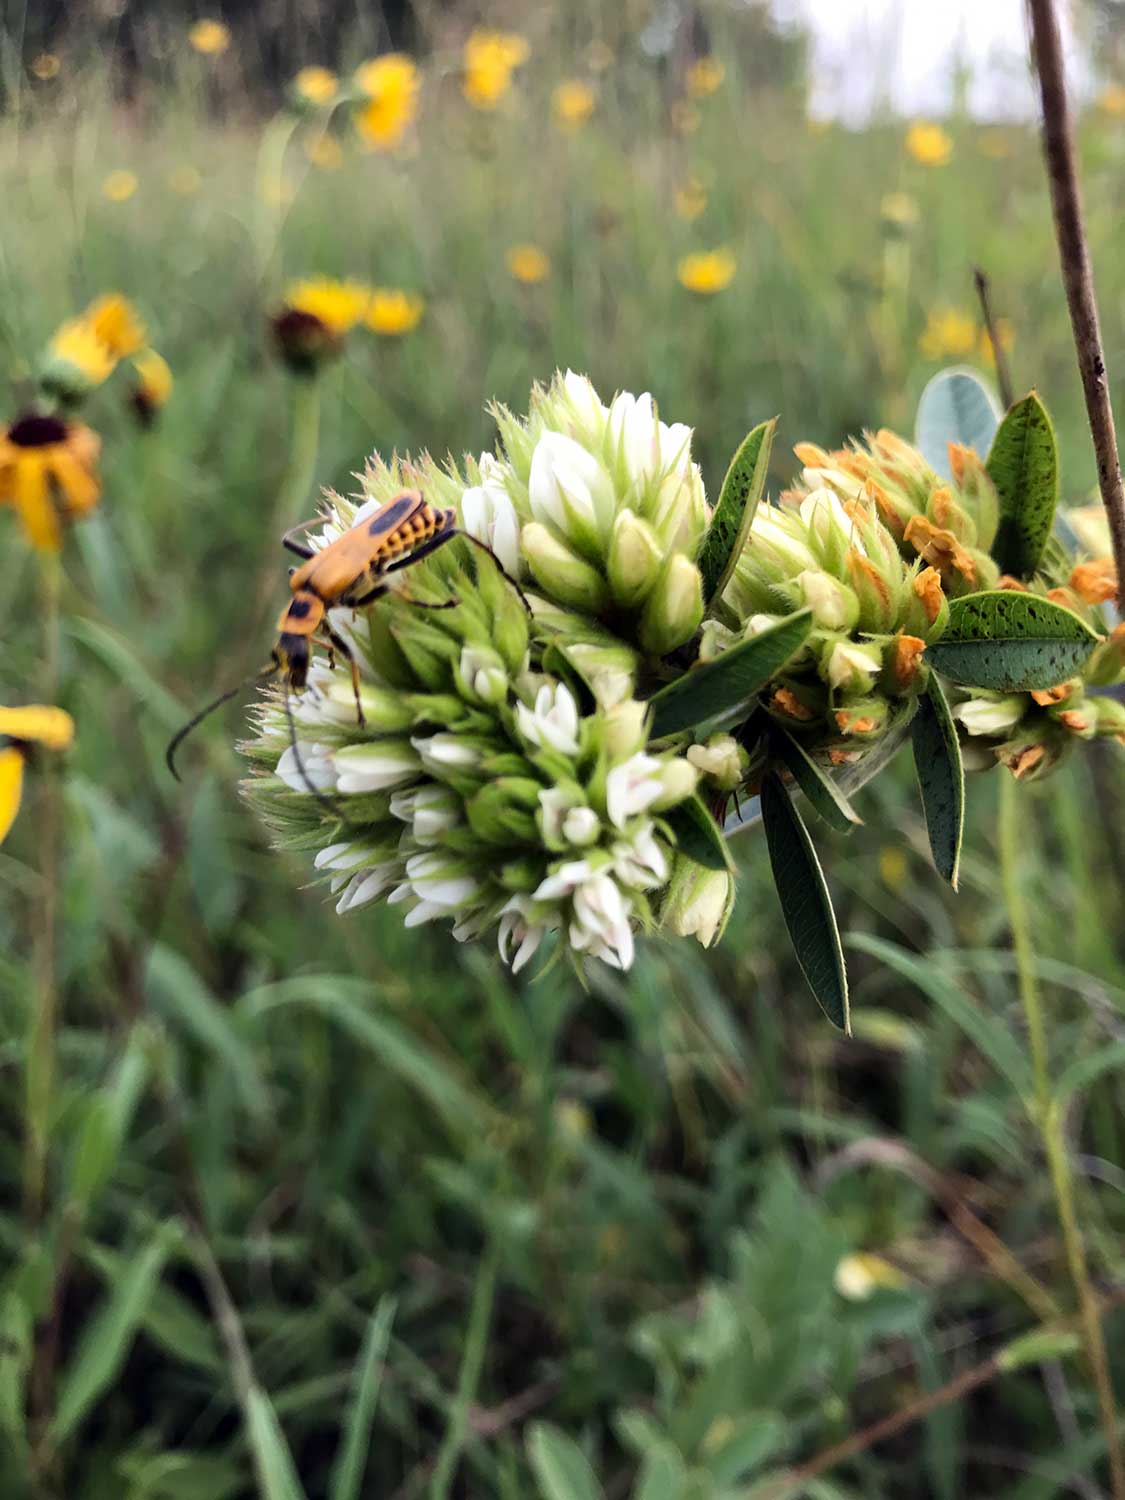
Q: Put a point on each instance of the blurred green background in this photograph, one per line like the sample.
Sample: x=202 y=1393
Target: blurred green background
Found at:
x=336 y=1210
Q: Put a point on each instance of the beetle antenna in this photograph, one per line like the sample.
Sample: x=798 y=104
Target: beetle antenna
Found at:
x=310 y=786
x=181 y=734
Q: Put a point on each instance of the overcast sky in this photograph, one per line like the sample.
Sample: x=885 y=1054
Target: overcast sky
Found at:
x=871 y=53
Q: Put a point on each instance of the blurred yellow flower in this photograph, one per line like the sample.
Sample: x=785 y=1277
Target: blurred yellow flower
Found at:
x=35 y=724
x=45 y=67
x=929 y=144
x=691 y=199
x=894 y=868
x=48 y=472
x=185 y=181
x=1111 y=100
x=119 y=186
x=391 y=84
x=704 y=76
x=490 y=59
x=76 y=345
x=861 y=1275
x=325 y=152
x=899 y=209
x=337 y=305
x=528 y=263
x=209 y=37
x=115 y=322
x=315 y=85
x=707 y=271
x=949 y=333
x=572 y=104
x=153 y=385
x=684 y=116
x=392 y=312
x=599 y=57
x=995 y=144
x=1005 y=332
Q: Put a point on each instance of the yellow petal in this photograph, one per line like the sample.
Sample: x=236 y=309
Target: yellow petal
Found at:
x=11 y=788
x=78 y=487
x=38 y=723
x=33 y=501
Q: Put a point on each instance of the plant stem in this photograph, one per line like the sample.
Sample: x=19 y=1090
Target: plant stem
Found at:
x=44 y=1019
x=1046 y=1115
x=300 y=475
x=1077 y=270
x=1000 y=358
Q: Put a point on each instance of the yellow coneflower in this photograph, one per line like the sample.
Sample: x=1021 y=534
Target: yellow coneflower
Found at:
x=929 y=144
x=120 y=185
x=325 y=152
x=115 y=322
x=704 y=76
x=48 y=472
x=528 y=263
x=572 y=104
x=315 y=316
x=185 y=181
x=22 y=731
x=77 y=360
x=949 y=333
x=315 y=85
x=209 y=37
x=391 y=84
x=152 y=386
x=392 y=312
x=45 y=67
x=707 y=271
x=691 y=199
x=490 y=59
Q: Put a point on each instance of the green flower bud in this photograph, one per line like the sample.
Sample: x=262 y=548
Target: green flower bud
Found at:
x=674 y=608
x=564 y=575
x=384 y=710
x=608 y=671
x=565 y=819
x=698 y=903
x=991 y=713
x=1107 y=665
x=678 y=779
x=502 y=812
x=481 y=676
x=1109 y=715
x=722 y=759
x=834 y=605
x=635 y=559
x=624 y=729
x=943 y=511
x=975 y=492
x=865 y=718
x=849 y=667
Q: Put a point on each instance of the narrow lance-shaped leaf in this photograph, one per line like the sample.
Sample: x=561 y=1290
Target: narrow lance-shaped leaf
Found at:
x=955 y=407
x=347 y=1472
x=941 y=778
x=738 y=500
x=698 y=835
x=731 y=679
x=1008 y=641
x=824 y=796
x=805 y=903
x=561 y=1469
x=1023 y=463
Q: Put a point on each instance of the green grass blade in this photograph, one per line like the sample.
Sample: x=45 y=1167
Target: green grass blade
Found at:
x=347 y=1473
x=472 y=1362
x=273 y=1463
x=941 y=778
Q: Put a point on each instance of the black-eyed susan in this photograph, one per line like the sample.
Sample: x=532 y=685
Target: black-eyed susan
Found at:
x=209 y=37
x=528 y=263
x=491 y=58
x=120 y=185
x=22 y=732
x=48 y=472
x=315 y=86
x=152 y=386
x=77 y=360
x=929 y=144
x=315 y=317
x=393 y=312
x=707 y=271
x=391 y=85
x=572 y=104
x=704 y=76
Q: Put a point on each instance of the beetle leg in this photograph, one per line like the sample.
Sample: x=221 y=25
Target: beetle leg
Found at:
x=336 y=643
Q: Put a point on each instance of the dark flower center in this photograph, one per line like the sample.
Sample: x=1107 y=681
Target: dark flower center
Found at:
x=33 y=431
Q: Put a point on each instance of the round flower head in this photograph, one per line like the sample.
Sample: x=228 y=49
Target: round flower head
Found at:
x=392 y=313
x=314 y=86
x=314 y=319
x=77 y=361
x=491 y=58
x=152 y=386
x=48 y=472
x=391 y=86
x=482 y=789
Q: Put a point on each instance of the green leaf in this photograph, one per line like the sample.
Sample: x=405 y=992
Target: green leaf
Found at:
x=698 y=835
x=738 y=500
x=955 y=407
x=824 y=796
x=561 y=1468
x=109 y=1334
x=1008 y=641
x=941 y=778
x=805 y=903
x=277 y=1478
x=16 y=1350
x=1037 y=1347
x=731 y=679
x=347 y=1474
x=1023 y=463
